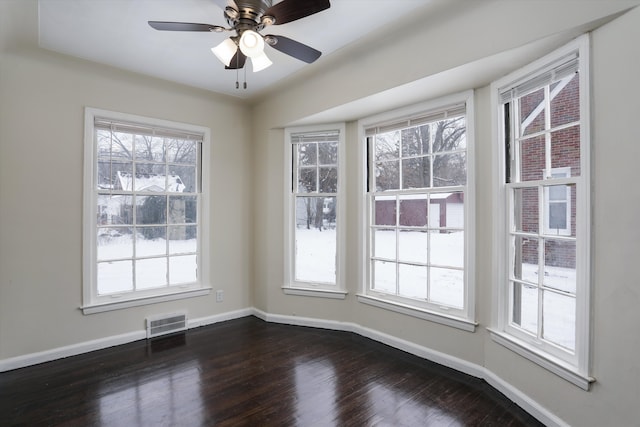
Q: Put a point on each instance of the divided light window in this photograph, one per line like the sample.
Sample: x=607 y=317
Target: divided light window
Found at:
x=314 y=208
x=144 y=210
x=544 y=189
x=418 y=188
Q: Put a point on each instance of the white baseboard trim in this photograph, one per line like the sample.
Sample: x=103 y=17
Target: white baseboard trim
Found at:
x=515 y=395
x=70 y=350
x=523 y=401
x=519 y=398
x=222 y=317
x=102 y=343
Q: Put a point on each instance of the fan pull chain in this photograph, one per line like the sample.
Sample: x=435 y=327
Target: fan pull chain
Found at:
x=245 y=77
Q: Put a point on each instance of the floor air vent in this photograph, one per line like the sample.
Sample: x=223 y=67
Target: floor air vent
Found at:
x=166 y=324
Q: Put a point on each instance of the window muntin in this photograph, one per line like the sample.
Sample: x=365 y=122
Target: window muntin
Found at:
x=143 y=219
x=314 y=208
x=545 y=180
x=417 y=181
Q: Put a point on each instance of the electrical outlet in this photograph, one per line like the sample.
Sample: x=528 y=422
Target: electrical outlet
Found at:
x=219 y=296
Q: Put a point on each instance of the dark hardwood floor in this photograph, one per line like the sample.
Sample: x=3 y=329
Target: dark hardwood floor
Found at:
x=247 y=372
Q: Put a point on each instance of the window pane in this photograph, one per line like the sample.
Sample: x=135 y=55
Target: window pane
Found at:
x=149 y=148
x=121 y=145
x=560 y=265
x=532 y=112
x=114 y=243
x=560 y=211
x=328 y=180
x=525 y=209
x=413 y=246
x=307 y=154
x=384 y=211
x=565 y=101
x=150 y=177
x=413 y=281
x=182 y=179
x=416 y=172
x=114 y=209
x=387 y=145
x=183 y=269
x=446 y=210
x=525 y=263
x=413 y=210
x=447 y=248
x=114 y=175
x=450 y=135
x=449 y=170
x=384 y=276
x=565 y=149
x=532 y=158
x=181 y=151
x=307 y=180
x=183 y=209
x=151 y=241
x=387 y=176
x=415 y=141
x=525 y=307
x=315 y=241
x=151 y=273
x=328 y=153
x=115 y=276
x=446 y=287
x=183 y=239
x=384 y=243
x=151 y=210
x=559 y=319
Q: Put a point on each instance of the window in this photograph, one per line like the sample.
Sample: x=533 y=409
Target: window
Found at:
x=543 y=188
x=418 y=212
x=314 y=206
x=144 y=218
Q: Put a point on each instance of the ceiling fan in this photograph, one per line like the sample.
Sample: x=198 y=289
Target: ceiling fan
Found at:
x=247 y=18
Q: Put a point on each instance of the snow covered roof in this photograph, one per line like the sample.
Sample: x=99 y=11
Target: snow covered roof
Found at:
x=150 y=182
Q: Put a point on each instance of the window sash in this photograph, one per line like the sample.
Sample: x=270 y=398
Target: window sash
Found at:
x=171 y=281
x=462 y=310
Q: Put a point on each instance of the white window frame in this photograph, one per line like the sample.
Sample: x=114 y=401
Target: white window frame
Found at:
x=458 y=318
x=91 y=301
x=292 y=286
x=572 y=367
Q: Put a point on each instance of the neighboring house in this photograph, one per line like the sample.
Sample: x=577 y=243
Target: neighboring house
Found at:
x=563 y=151
x=117 y=209
x=446 y=210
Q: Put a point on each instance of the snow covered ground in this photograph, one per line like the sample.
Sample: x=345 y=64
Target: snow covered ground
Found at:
x=315 y=262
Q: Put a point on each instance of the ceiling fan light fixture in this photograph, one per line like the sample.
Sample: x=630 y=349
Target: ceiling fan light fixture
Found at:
x=251 y=44
x=260 y=62
x=225 y=51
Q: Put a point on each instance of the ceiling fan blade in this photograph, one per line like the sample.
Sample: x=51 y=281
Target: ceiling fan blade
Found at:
x=291 y=10
x=293 y=48
x=183 y=26
x=237 y=62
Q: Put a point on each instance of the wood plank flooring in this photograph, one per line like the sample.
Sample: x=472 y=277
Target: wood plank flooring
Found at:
x=247 y=372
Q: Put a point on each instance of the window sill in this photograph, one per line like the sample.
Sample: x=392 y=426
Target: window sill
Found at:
x=454 y=322
x=319 y=293
x=117 y=305
x=552 y=364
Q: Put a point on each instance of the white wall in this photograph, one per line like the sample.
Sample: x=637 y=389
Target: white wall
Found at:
x=42 y=100
x=497 y=26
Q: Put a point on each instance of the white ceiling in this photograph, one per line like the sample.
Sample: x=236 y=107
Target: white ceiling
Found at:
x=116 y=33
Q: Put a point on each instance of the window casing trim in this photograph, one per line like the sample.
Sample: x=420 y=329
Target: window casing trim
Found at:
x=291 y=286
x=577 y=364
x=93 y=303
x=405 y=115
